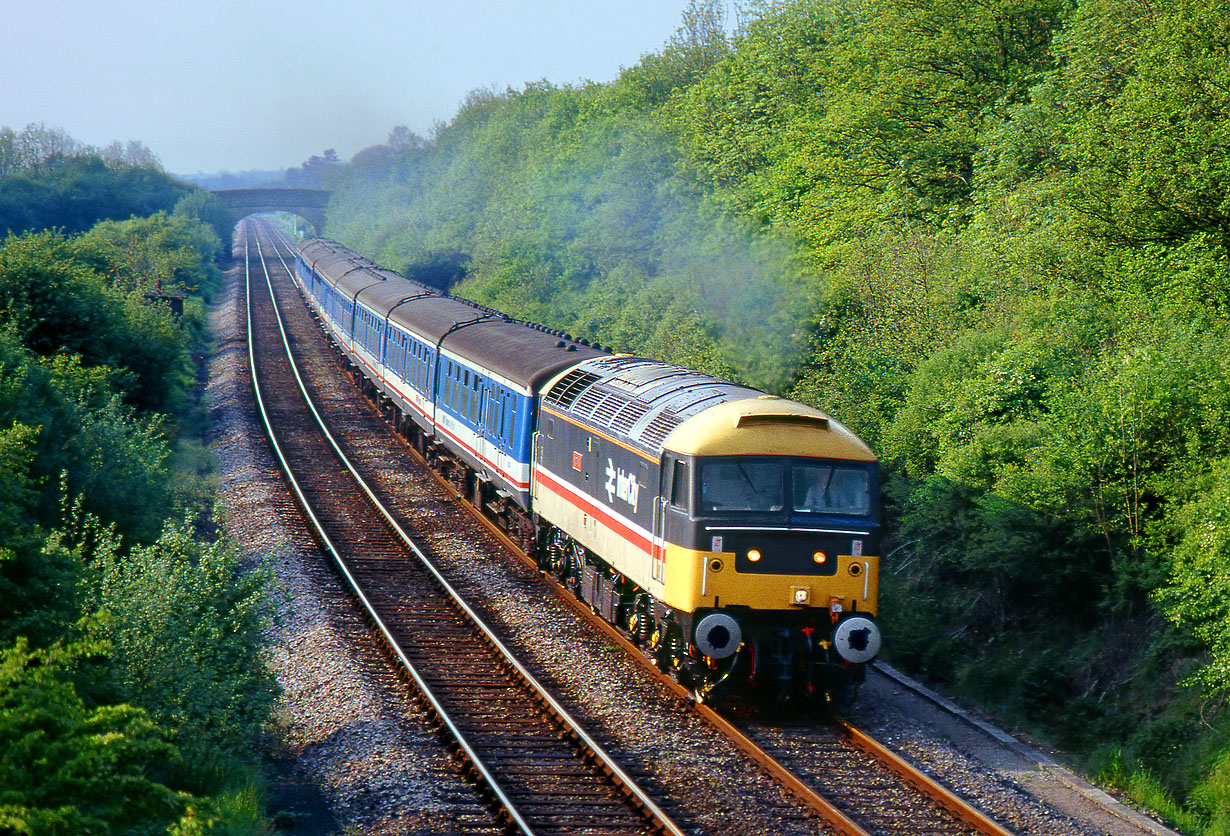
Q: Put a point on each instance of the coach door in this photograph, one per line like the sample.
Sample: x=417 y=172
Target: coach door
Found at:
x=496 y=405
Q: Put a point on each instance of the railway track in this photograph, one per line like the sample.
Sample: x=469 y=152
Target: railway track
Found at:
x=542 y=772
x=841 y=777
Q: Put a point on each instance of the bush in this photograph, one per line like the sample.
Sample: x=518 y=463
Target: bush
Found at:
x=184 y=624
x=70 y=768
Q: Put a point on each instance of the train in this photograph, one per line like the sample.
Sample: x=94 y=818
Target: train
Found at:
x=730 y=534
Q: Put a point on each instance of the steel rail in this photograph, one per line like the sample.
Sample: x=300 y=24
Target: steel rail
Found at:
x=437 y=708
x=925 y=784
x=608 y=764
x=815 y=803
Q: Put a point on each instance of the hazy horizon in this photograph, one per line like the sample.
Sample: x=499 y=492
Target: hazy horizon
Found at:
x=171 y=76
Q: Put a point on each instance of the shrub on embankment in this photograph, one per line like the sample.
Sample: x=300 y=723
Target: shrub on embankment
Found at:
x=132 y=689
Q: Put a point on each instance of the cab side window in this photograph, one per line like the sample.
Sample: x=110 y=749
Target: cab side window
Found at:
x=679 y=485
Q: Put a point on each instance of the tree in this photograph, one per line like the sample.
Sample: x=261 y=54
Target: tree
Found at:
x=131 y=153
x=73 y=192
x=316 y=171
x=402 y=139
x=73 y=768
x=184 y=622
x=205 y=207
x=1197 y=595
x=1153 y=153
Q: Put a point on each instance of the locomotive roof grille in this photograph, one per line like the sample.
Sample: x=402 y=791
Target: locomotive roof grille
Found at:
x=604 y=409
x=659 y=428
x=643 y=400
x=631 y=412
x=570 y=386
x=589 y=401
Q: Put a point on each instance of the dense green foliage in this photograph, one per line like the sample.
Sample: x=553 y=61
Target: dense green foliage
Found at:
x=131 y=683
x=72 y=768
x=994 y=238
x=203 y=206
x=50 y=181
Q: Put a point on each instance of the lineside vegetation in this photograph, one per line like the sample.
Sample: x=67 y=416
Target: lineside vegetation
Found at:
x=132 y=689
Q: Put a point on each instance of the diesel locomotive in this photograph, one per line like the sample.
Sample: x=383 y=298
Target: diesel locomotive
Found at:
x=731 y=534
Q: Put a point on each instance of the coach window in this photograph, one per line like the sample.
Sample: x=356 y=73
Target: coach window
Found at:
x=475 y=400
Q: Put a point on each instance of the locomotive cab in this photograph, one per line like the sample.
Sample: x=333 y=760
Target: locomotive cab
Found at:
x=770 y=518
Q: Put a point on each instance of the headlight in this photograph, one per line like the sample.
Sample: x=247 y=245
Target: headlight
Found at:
x=820 y=557
x=753 y=555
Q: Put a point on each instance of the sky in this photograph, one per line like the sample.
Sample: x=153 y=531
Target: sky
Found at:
x=240 y=85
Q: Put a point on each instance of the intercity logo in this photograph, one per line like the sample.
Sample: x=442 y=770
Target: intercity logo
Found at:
x=622 y=484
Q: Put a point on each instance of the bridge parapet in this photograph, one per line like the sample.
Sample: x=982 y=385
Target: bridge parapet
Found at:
x=308 y=203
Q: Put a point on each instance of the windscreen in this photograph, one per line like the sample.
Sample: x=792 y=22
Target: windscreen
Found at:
x=831 y=489
x=796 y=486
x=734 y=485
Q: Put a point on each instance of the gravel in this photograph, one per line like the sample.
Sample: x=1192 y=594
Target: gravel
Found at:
x=357 y=755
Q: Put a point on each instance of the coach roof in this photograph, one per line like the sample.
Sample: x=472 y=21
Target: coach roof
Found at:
x=522 y=353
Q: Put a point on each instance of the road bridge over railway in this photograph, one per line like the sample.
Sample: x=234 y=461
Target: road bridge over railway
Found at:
x=307 y=203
